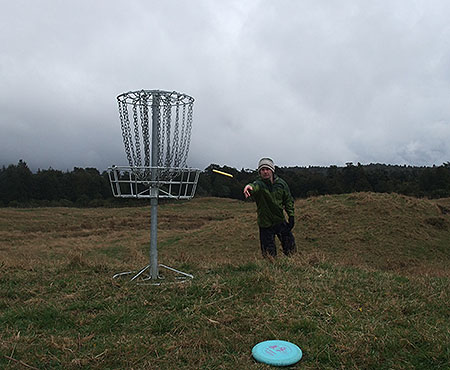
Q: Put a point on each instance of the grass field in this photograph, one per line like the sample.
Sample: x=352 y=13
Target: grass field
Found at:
x=368 y=288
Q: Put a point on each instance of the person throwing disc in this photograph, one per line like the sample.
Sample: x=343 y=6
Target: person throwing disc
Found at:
x=273 y=197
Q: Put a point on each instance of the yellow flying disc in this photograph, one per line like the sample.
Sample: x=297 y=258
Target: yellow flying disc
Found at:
x=223 y=173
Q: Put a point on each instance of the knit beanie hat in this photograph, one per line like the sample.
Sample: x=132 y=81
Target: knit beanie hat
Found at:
x=267 y=163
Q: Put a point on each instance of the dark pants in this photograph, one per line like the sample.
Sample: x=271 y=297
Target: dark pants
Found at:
x=267 y=239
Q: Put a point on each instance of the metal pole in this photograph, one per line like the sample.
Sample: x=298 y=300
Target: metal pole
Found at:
x=154 y=274
x=153 y=239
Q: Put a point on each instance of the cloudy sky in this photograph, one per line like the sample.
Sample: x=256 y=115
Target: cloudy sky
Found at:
x=307 y=82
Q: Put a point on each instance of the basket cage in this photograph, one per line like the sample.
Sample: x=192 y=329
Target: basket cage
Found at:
x=153 y=182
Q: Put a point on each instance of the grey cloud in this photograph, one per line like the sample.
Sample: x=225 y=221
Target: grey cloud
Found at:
x=308 y=83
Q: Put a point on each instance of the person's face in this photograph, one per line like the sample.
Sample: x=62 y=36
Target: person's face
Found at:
x=266 y=173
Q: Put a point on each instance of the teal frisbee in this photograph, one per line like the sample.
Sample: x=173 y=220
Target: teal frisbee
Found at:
x=277 y=353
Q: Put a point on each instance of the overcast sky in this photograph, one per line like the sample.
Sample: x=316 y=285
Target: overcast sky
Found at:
x=306 y=82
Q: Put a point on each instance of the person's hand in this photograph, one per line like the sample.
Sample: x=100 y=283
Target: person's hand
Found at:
x=291 y=222
x=247 y=190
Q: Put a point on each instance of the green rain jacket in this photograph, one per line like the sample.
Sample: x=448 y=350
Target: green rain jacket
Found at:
x=271 y=200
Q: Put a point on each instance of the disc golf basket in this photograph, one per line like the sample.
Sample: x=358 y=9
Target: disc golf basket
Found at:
x=156 y=131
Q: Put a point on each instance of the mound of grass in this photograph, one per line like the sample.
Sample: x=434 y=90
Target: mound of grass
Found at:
x=386 y=232
x=369 y=287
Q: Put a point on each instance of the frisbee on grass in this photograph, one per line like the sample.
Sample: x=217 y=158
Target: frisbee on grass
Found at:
x=277 y=353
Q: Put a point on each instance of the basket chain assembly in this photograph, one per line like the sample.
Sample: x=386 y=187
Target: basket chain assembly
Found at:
x=173 y=113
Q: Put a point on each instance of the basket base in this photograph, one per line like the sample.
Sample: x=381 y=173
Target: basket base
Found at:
x=137 y=277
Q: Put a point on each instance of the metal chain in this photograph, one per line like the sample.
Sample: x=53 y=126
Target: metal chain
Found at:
x=186 y=134
x=168 y=119
x=190 y=115
x=126 y=131
x=137 y=157
x=176 y=140
x=160 y=128
x=145 y=129
x=183 y=135
x=162 y=156
x=123 y=126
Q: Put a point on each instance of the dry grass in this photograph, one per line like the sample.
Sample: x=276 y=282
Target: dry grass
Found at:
x=368 y=288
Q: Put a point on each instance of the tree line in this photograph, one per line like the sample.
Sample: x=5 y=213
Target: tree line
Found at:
x=87 y=187
x=431 y=182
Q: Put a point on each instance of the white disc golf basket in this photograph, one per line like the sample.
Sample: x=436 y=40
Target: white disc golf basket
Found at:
x=156 y=131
